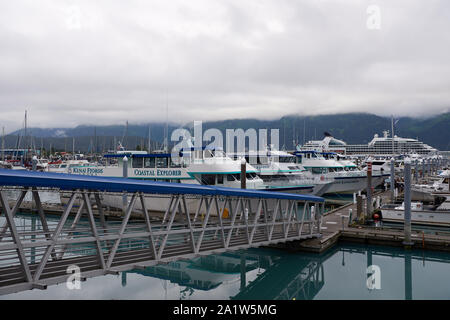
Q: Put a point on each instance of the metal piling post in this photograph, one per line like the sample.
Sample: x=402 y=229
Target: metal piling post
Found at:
x=407 y=203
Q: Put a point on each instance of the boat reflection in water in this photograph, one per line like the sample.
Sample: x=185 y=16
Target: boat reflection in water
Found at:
x=279 y=276
x=341 y=273
x=265 y=274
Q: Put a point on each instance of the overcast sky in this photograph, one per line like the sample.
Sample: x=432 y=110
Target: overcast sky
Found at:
x=104 y=62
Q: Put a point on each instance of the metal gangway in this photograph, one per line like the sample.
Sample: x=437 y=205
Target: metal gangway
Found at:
x=197 y=220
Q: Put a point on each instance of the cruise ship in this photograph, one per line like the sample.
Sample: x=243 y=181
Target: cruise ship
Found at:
x=379 y=146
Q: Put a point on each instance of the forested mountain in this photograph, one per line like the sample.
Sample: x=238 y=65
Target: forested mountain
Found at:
x=351 y=127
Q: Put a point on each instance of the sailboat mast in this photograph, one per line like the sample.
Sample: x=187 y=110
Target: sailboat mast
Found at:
x=166 y=134
x=304 y=131
x=125 y=141
x=3 y=144
x=95 y=140
x=149 y=144
x=25 y=136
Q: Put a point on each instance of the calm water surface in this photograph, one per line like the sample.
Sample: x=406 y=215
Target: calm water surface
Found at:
x=340 y=273
x=273 y=274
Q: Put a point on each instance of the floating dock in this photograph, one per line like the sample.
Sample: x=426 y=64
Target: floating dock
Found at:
x=335 y=227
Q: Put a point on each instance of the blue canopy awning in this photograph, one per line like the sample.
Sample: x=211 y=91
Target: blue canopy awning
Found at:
x=62 y=181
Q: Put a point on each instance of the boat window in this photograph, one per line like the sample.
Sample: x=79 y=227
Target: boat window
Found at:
x=220 y=179
x=149 y=162
x=161 y=162
x=208 y=154
x=287 y=159
x=251 y=176
x=318 y=170
x=233 y=177
x=174 y=165
x=209 y=179
x=263 y=160
x=137 y=162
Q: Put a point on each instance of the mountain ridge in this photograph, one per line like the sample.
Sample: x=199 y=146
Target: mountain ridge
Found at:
x=353 y=128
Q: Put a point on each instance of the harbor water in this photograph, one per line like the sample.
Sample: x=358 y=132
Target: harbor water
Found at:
x=346 y=271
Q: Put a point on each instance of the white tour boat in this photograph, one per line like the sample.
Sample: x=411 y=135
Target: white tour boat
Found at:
x=344 y=181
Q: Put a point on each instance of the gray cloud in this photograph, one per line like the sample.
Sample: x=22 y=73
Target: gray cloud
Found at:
x=103 y=62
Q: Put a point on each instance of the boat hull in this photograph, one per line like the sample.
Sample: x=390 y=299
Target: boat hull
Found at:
x=159 y=204
x=347 y=185
x=426 y=217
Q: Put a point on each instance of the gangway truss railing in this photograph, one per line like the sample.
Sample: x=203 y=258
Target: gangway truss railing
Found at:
x=175 y=221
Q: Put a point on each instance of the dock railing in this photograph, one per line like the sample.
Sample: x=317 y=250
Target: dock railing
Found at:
x=83 y=239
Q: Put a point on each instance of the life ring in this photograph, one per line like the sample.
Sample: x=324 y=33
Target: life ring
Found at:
x=322 y=178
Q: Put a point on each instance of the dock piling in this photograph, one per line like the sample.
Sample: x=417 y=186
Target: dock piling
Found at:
x=359 y=208
x=34 y=163
x=369 y=190
x=407 y=203
x=423 y=169
x=392 y=179
x=416 y=171
x=243 y=173
x=125 y=175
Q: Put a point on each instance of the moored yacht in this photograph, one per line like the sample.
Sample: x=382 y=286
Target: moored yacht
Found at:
x=427 y=214
x=280 y=172
x=344 y=181
x=202 y=166
x=66 y=166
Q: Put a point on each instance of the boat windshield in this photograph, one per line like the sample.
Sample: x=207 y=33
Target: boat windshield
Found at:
x=286 y=159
